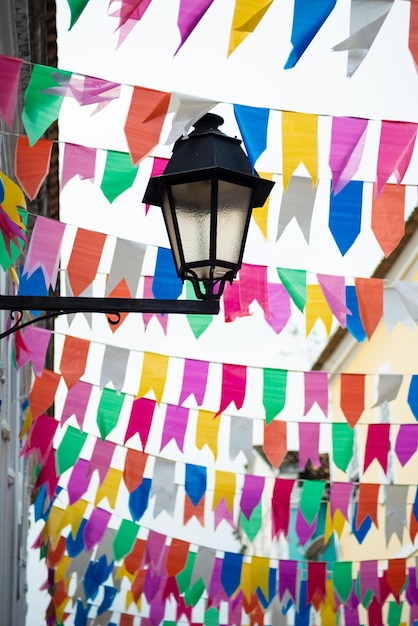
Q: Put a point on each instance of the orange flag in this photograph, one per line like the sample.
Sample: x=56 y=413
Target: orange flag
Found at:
x=177 y=556
x=370 y=301
x=32 y=164
x=367 y=503
x=396 y=575
x=413 y=31
x=275 y=442
x=43 y=392
x=388 y=216
x=73 y=359
x=352 y=397
x=197 y=511
x=145 y=120
x=84 y=260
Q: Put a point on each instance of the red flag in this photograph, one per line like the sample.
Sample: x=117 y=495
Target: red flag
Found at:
x=352 y=397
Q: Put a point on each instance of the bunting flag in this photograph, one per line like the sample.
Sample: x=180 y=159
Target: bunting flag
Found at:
x=348 y=138
x=308 y=17
x=397 y=141
x=84 y=259
x=345 y=215
x=253 y=124
x=73 y=359
x=352 y=397
x=245 y=20
x=189 y=16
x=76 y=8
x=10 y=75
x=144 y=121
x=118 y=176
x=413 y=31
x=297 y=203
x=366 y=20
x=44 y=250
x=299 y=144
x=78 y=161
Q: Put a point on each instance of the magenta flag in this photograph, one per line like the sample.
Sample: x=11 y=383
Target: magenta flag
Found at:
x=232 y=303
x=377 y=445
x=44 y=249
x=251 y=493
x=333 y=288
x=147 y=317
x=36 y=341
x=156 y=551
x=316 y=390
x=41 y=437
x=308 y=444
x=303 y=529
x=176 y=418
x=348 y=138
x=101 y=458
x=76 y=403
x=288 y=572
x=397 y=142
x=195 y=377
x=190 y=14
x=279 y=307
x=140 y=420
x=95 y=528
x=369 y=579
x=234 y=379
x=78 y=160
x=253 y=286
x=340 y=496
x=79 y=481
x=9 y=79
x=406 y=442
x=221 y=513
x=280 y=506
x=158 y=167
x=48 y=474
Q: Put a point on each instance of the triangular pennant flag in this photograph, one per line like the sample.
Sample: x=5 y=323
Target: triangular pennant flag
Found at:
x=84 y=260
x=76 y=9
x=345 y=212
x=348 y=138
x=397 y=142
x=388 y=221
x=253 y=125
x=73 y=359
x=78 y=160
x=308 y=18
x=32 y=164
x=40 y=108
x=366 y=20
x=145 y=120
x=299 y=143
x=245 y=20
x=189 y=16
x=118 y=176
x=297 y=203
x=9 y=77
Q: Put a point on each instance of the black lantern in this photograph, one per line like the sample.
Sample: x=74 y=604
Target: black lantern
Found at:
x=207 y=193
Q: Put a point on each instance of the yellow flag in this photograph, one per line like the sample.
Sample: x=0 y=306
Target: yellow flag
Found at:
x=122 y=571
x=246 y=580
x=260 y=569
x=317 y=308
x=224 y=489
x=260 y=214
x=299 y=144
x=110 y=487
x=154 y=375
x=328 y=615
x=59 y=611
x=129 y=599
x=339 y=522
x=61 y=568
x=329 y=528
x=247 y=15
x=13 y=198
x=207 y=431
x=53 y=526
x=74 y=515
x=26 y=424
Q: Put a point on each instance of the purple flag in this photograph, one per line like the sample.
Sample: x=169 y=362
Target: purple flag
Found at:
x=251 y=493
x=194 y=380
x=190 y=14
x=308 y=444
x=44 y=249
x=348 y=137
x=176 y=418
x=76 y=402
x=316 y=390
x=79 y=481
x=406 y=442
x=78 y=160
x=95 y=528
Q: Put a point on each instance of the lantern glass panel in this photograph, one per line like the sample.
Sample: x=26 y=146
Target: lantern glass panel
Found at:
x=234 y=205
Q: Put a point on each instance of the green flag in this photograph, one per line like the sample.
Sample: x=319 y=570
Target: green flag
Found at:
x=274 y=392
x=119 y=174
x=252 y=526
x=294 y=281
x=125 y=538
x=69 y=448
x=76 y=9
x=311 y=497
x=343 y=579
x=342 y=445
x=110 y=406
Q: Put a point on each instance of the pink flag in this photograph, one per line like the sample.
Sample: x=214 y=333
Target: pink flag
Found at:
x=397 y=142
x=48 y=474
x=195 y=377
x=140 y=420
x=78 y=482
x=234 y=379
x=251 y=493
x=41 y=437
x=9 y=79
x=280 y=506
x=95 y=528
x=78 y=160
x=222 y=512
x=348 y=137
x=253 y=286
x=147 y=317
x=308 y=444
x=101 y=458
x=232 y=303
x=340 y=496
x=44 y=249
x=176 y=418
x=316 y=390
x=279 y=307
x=377 y=445
x=304 y=530
x=190 y=14
x=76 y=402
x=36 y=341
x=158 y=167
x=333 y=288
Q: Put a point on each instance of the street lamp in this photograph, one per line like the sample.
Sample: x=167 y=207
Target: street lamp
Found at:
x=206 y=193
